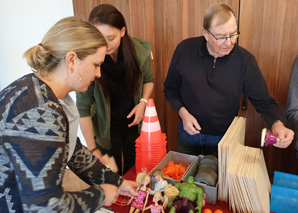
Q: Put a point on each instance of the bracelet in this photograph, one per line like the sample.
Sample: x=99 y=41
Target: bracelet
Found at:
x=92 y=150
x=143 y=99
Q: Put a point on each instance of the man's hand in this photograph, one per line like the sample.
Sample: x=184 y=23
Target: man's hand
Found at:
x=285 y=135
x=190 y=123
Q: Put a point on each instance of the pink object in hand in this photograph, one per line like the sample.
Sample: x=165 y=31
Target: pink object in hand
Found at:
x=268 y=137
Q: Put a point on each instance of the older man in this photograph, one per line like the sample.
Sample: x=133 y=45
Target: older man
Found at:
x=206 y=79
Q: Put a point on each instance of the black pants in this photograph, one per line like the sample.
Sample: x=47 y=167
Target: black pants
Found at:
x=123 y=147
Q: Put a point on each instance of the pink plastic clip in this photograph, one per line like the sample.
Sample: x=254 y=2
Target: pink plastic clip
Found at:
x=268 y=137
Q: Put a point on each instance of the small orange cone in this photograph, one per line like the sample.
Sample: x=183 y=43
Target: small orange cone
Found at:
x=151 y=144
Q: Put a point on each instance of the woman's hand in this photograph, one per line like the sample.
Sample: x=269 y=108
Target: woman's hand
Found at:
x=128 y=188
x=111 y=193
x=97 y=153
x=138 y=111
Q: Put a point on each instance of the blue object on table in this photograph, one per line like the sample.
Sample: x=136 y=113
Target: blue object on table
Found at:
x=284 y=193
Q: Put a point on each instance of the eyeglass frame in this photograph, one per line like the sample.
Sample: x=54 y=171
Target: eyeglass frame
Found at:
x=225 y=37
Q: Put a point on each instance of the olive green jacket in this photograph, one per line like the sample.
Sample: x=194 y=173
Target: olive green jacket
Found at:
x=92 y=102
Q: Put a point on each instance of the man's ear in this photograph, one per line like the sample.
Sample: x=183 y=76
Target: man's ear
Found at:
x=205 y=34
x=70 y=60
x=122 y=31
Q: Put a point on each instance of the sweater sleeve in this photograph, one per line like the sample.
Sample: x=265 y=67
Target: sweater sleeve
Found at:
x=38 y=151
x=292 y=105
x=90 y=169
x=257 y=92
x=173 y=82
x=84 y=101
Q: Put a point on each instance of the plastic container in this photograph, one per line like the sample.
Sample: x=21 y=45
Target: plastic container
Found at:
x=177 y=157
x=210 y=191
x=284 y=193
x=285 y=180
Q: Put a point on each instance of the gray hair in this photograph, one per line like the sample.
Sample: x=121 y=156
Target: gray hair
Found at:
x=222 y=11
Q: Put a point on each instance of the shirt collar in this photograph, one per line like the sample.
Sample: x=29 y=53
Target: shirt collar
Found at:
x=204 y=51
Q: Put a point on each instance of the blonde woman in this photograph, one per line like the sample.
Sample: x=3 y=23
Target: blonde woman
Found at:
x=36 y=125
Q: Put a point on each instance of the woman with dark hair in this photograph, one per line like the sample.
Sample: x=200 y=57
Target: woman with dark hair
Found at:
x=113 y=106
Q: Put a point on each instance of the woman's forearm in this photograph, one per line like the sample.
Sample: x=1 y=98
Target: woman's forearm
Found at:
x=147 y=90
x=87 y=130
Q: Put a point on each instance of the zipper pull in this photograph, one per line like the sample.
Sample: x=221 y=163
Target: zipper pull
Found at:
x=214 y=63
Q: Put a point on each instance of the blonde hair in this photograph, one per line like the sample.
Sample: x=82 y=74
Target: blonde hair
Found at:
x=142 y=175
x=222 y=11
x=68 y=34
x=163 y=199
x=170 y=193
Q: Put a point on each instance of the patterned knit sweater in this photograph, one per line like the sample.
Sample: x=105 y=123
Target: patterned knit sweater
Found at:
x=34 y=147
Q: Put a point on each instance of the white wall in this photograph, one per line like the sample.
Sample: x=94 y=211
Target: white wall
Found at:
x=23 y=23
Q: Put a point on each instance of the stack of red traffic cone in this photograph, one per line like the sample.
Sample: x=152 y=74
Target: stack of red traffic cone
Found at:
x=151 y=144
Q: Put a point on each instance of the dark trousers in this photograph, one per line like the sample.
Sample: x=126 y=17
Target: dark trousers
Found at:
x=196 y=144
x=123 y=147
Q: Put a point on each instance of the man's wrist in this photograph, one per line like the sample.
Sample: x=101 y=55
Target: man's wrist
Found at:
x=182 y=111
x=275 y=123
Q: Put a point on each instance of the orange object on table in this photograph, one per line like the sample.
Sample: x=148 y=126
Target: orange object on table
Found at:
x=174 y=171
x=122 y=200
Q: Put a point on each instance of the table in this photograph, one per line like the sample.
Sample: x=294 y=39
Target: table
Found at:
x=131 y=175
